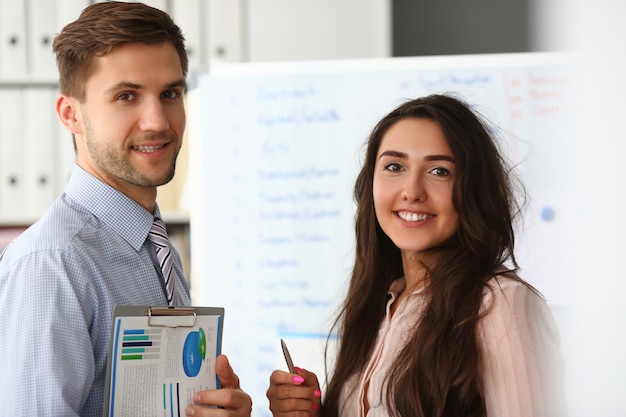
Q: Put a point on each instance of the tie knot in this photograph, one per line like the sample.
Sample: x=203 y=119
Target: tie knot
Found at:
x=158 y=234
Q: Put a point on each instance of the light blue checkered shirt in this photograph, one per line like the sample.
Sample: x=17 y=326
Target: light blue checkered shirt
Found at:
x=59 y=283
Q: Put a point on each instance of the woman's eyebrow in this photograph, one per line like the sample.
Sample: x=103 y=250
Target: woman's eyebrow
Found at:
x=403 y=155
x=439 y=158
x=395 y=154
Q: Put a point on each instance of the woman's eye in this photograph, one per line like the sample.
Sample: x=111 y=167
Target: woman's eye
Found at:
x=441 y=172
x=394 y=167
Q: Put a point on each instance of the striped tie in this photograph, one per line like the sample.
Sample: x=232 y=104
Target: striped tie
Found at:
x=158 y=236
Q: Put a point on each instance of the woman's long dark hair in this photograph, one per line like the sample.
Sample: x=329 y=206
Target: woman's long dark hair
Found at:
x=438 y=372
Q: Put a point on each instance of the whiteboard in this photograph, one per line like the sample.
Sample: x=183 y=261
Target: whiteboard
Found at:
x=275 y=148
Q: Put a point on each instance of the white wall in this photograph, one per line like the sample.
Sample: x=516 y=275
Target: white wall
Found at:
x=597 y=31
x=317 y=29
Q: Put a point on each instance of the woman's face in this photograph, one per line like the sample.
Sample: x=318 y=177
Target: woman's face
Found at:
x=412 y=189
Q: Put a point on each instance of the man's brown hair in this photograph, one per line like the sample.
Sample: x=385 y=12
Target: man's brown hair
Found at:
x=103 y=26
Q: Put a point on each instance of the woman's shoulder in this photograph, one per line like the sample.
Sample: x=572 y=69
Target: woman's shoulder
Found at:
x=509 y=291
x=509 y=281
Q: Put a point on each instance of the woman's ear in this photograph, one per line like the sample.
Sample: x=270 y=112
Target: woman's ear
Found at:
x=67 y=109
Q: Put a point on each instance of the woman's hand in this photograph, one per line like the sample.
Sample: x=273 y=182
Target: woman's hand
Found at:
x=294 y=395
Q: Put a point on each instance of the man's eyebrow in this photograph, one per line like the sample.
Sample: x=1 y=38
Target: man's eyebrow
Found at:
x=179 y=83
x=124 y=85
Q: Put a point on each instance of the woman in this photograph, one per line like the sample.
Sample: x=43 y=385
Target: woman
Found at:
x=436 y=321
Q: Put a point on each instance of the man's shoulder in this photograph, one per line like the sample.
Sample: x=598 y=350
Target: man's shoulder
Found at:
x=55 y=230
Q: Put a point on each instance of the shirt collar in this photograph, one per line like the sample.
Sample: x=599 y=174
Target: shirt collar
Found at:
x=114 y=209
x=397 y=286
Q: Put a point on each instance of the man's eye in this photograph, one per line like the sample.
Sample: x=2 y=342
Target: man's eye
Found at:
x=126 y=96
x=170 y=94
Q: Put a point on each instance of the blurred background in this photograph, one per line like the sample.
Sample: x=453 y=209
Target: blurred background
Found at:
x=36 y=158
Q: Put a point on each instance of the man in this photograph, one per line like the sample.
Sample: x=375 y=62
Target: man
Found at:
x=122 y=73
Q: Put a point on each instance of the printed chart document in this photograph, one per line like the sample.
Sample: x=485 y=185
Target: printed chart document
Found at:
x=159 y=357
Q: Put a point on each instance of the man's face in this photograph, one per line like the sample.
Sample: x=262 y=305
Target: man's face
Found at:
x=132 y=121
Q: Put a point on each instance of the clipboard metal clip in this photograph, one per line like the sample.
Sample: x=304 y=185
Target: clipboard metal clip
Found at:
x=162 y=316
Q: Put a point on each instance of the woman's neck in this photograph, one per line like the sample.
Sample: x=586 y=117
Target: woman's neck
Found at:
x=416 y=274
x=416 y=267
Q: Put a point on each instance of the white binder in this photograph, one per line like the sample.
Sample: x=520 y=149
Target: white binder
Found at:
x=189 y=15
x=41 y=28
x=12 y=188
x=13 y=38
x=159 y=4
x=67 y=11
x=226 y=30
x=64 y=155
x=38 y=121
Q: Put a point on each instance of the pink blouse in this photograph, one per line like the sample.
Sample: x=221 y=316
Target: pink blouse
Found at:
x=519 y=341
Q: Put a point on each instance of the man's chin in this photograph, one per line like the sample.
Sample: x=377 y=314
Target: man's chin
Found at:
x=157 y=182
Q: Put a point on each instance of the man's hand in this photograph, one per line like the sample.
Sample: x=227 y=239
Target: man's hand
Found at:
x=230 y=399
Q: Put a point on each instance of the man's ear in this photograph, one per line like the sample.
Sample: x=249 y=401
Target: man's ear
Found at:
x=68 y=111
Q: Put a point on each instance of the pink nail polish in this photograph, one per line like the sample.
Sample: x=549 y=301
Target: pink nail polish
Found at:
x=315 y=406
x=297 y=369
x=317 y=393
x=297 y=379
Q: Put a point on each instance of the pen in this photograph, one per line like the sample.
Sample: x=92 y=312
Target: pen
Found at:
x=287 y=357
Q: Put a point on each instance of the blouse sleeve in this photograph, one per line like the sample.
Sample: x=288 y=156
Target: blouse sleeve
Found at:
x=520 y=347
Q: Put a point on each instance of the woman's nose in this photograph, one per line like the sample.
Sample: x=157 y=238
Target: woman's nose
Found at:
x=414 y=189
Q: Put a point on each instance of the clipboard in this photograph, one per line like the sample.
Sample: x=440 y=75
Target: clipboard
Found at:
x=159 y=357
